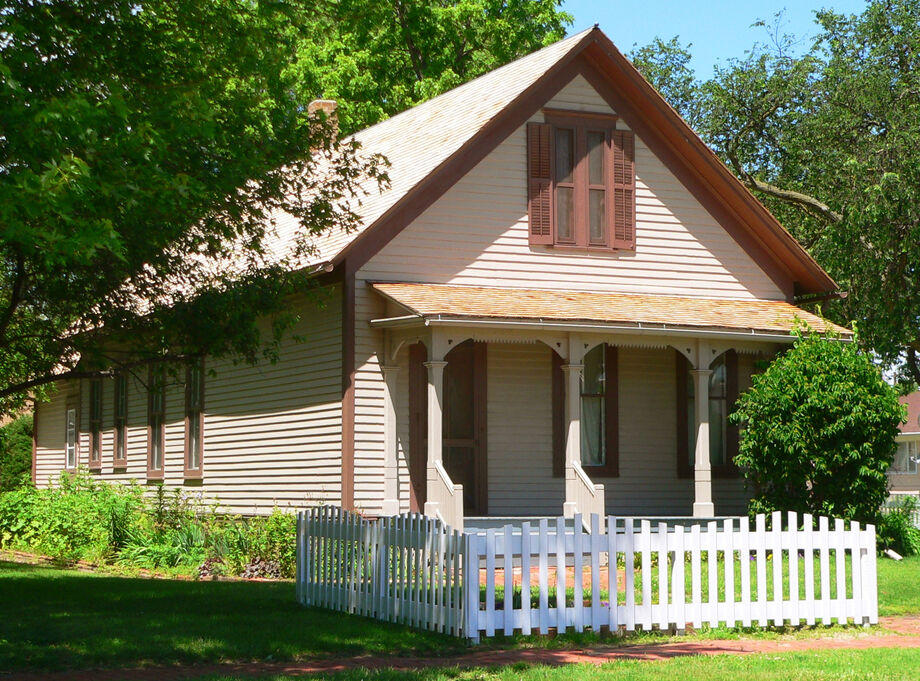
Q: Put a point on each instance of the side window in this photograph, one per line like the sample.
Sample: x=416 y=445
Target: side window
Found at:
x=70 y=438
x=194 y=419
x=120 y=421
x=156 y=422
x=905 y=459
x=95 y=424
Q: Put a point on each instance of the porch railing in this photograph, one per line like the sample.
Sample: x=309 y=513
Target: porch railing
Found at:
x=583 y=496
x=445 y=497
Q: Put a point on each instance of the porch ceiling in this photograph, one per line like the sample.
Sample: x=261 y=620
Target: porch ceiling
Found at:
x=446 y=303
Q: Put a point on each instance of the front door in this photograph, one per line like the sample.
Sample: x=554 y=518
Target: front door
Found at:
x=464 y=424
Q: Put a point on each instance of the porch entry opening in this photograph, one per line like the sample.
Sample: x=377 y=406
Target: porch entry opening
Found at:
x=464 y=424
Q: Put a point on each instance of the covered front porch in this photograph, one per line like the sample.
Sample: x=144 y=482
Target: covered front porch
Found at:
x=524 y=415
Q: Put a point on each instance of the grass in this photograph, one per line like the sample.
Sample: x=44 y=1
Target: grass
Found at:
x=64 y=619
x=59 y=619
x=899 y=586
x=838 y=665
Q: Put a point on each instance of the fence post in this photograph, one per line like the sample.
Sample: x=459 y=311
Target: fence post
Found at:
x=869 y=576
x=471 y=587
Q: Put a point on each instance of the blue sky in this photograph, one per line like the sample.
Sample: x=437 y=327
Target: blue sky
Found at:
x=718 y=29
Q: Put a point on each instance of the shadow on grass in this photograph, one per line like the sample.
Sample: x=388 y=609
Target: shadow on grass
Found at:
x=56 y=619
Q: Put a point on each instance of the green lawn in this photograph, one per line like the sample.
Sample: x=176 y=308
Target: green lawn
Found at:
x=899 y=586
x=839 y=665
x=56 y=619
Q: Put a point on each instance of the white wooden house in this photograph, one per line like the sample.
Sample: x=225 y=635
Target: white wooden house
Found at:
x=552 y=307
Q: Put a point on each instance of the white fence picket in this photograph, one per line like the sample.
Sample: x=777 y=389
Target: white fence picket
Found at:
x=415 y=570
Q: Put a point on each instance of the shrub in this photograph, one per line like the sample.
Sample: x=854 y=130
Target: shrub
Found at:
x=896 y=530
x=84 y=518
x=80 y=519
x=819 y=429
x=16 y=453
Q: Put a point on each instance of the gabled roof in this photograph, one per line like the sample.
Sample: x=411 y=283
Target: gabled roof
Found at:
x=626 y=310
x=433 y=144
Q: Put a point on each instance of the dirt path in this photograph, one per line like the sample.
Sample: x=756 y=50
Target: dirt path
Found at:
x=902 y=632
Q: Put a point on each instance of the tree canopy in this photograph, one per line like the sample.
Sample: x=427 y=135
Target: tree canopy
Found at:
x=829 y=141
x=146 y=145
x=380 y=57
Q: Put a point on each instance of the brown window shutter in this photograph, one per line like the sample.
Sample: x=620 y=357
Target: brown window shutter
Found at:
x=624 y=190
x=683 y=426
x=612 y=412
x=558 y=401
x=539 y=182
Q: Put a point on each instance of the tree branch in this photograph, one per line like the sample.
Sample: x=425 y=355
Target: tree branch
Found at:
x=806 y=201
x=91 y=373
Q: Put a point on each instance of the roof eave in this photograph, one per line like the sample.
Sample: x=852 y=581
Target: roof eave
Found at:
x=543 y=324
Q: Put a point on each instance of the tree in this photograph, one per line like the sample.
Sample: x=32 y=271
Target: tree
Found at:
x=819 y=429
x=829 y=141
x=145 y=147
x=15 y=452
x=380 y=57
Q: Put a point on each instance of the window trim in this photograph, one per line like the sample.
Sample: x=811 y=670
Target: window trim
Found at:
x=94 y=460
x=196 y=473
x=154 y=375
x=120 y=430
x=728 y=470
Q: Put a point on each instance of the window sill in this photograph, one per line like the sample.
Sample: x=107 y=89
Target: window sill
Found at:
x=155 y=477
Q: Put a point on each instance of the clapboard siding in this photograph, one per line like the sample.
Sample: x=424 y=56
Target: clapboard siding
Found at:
x=369 y=387
x=49 y=433
x=476 y=234
x=520 y=432
x=272 y=432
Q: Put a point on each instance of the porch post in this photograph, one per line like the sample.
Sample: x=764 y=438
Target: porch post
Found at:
x=435 y=419
x=572 y=434
x=390 y=463
x=702 y=470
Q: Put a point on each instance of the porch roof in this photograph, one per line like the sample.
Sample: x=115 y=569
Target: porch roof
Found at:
x=449 y=303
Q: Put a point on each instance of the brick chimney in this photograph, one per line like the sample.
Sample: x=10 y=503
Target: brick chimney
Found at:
x=328 y=107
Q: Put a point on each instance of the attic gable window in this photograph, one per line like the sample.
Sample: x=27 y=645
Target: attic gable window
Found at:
x=581 y=182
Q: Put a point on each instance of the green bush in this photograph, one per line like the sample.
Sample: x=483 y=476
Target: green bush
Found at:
x=84 y=518
x=818 y=434
x=16 y=453
x=896 y=530
x=80 y=519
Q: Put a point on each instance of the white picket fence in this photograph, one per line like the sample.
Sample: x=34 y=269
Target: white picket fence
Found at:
x=403 y=569
x=635 y=573
x=718 y=573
